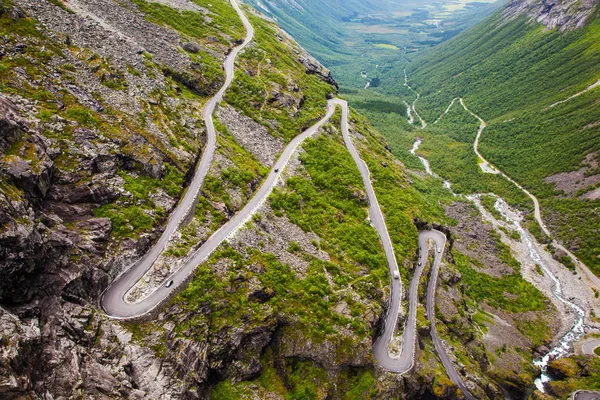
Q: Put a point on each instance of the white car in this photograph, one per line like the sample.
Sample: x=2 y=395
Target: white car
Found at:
x=396 y=275
x=439 y=249
x=169 y=284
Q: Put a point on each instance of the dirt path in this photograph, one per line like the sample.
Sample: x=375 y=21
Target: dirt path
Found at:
x=447 y=109
x=592 y=86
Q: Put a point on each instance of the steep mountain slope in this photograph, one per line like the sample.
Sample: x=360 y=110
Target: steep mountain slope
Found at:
x=523 y=79
x=309 y=20
x=101 y=123
x=101 y=130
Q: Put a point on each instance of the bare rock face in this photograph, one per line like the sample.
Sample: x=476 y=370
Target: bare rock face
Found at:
x=33 y=237
x=563 y=14
x=312 y=65
x=18 y=340
x=10 y=131
x=316 y=68
x=33 y=175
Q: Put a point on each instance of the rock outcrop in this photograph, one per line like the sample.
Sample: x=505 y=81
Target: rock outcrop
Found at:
x=563 y=14
x=100 y=130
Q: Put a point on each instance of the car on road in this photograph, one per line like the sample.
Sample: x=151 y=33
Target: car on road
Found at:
x=169 y=283
x=439 y=249
x=396 y=275
x=276 y=170
x=420 y=263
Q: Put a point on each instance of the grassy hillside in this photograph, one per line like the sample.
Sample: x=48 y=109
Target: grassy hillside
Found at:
x=510 y=73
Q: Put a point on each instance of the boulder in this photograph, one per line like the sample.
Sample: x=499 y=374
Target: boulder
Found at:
x=33 y=176
x=191 y=47
x=101 y=189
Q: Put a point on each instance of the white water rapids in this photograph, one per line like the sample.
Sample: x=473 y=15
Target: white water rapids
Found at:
x=425 y=163
x=576 y=331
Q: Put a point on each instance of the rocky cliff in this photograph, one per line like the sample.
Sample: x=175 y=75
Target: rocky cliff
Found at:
x=100 y=131
x=563 y=14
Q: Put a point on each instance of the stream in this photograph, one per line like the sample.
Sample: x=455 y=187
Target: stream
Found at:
x=576 y=331
x=425 y=163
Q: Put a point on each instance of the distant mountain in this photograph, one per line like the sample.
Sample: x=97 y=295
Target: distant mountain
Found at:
x=356 y=38
x=316 y=22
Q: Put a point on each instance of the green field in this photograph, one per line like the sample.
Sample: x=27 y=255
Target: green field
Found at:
x=386 y=46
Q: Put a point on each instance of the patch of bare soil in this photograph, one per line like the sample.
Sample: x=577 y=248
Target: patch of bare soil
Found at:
x=571 y=182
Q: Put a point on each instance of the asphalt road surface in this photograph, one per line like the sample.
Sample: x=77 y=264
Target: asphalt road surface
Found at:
x=589 y=347
x=114 y=302
x=113 y=299
x=405 y=362
x=586 y=395
x=109 y=301
x=440 y=242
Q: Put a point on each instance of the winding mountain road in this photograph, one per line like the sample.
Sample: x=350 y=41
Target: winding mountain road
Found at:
x=114 y=298
x=405 y=362
x=114 y=302
x=440 y=240
x=586 y=395
x=488 y=167
x=589 y=347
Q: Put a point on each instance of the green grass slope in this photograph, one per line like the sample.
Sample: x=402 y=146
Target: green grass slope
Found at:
x=510 y=72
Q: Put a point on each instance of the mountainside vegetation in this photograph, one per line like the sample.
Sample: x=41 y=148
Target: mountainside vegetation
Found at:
x=362 y=40
x=101 y=130
x=512 y=73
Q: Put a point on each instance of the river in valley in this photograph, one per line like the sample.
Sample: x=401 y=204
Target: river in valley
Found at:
x=562 y=346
